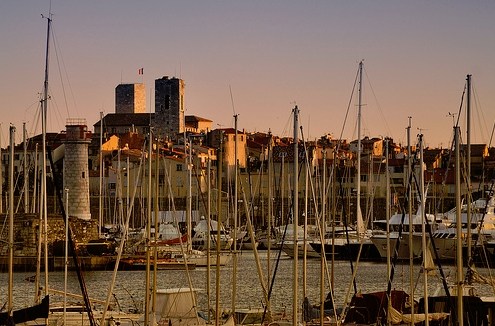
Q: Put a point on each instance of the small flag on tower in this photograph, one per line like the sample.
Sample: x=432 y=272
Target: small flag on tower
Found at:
x=140 y=71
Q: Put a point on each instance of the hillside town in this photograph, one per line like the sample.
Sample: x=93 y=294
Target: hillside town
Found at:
x=184 y=152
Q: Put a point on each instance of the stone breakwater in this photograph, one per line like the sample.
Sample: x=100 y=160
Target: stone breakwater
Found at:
x=26 y=235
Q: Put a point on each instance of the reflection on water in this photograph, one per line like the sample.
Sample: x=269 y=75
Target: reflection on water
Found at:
x=129 y=288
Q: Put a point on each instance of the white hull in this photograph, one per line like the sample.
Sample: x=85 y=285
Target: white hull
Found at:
x=288 y=248
x=380 y=242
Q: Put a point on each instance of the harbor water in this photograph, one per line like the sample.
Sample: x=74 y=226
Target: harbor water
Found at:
x=130 y=285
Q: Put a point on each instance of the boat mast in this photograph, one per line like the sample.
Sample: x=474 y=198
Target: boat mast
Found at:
x=323 y=232
x=1 y=171
x=460 y=277
x=409 y=214
x=387 y=218
x=219 y=219
x=66 y=255
x=423 y=227
x=34 y=208
x=468 y=156
x=156 y=209
x=25 y=170
x=270 y=209
x=295 y=212
x=208 y=243
x=44 y=110
x=359 y=216
x=100 y=197
x=10 y=302
x=234 y=267
x=148 y=236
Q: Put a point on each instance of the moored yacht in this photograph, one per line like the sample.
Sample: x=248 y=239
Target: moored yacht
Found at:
x=482 y=228
x=379 y=236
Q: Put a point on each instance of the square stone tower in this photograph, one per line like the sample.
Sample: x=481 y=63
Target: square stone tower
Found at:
x=169 y=107
x=130 y=98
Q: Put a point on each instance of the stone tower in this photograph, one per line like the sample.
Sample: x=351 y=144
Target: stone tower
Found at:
x=130 y=98
x=76 y=174
x=169 y=107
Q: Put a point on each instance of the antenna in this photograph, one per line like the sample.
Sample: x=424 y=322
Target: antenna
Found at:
x=421 y=130
x=452 y=114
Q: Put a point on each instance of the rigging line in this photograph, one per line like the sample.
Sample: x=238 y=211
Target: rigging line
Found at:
x=482 y=121
x=491 y=136
x=232 y=101
x=377 y=103
x=347 y=113
x=57 y=115
x=286 y=127
x=57 y=50
x=460 y=106
x=28 y=108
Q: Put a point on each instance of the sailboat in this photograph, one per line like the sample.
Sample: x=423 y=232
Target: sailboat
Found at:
x=39 y=310
x=351 y=243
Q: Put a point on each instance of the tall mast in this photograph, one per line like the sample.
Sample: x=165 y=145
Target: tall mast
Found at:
x=100 y=197
x=468 y=156
x=148 y=236
x=25 y=170
x=387 y=218
x=44 y=111
x=156 y=209
x=270 y=209
x=10 y=302
x=219 y=219
x=234 y=267
x=295 y=214
x=1 y=172
x=208 y=243
x=460 y=277
x=359 y=216
x=409 y=213
x=189 y=189
x=34 y=207
x=323 y=231
x=423 y=227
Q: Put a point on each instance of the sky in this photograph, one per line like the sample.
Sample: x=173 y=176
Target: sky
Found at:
x=258 y=59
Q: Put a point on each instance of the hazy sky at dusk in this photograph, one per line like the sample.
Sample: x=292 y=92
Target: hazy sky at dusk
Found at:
x=271 y=54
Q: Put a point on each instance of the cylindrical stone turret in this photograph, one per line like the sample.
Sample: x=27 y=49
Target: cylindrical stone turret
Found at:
x=76 y=174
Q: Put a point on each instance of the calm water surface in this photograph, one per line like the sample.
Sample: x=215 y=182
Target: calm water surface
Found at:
x=130 y=285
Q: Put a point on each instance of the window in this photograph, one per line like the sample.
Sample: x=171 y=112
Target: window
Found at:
x=179 y=167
